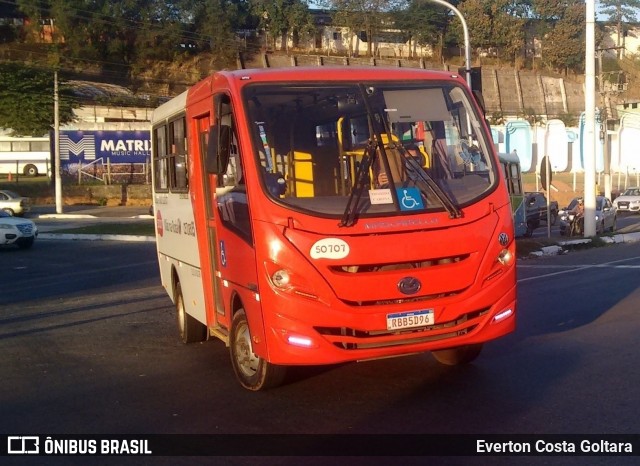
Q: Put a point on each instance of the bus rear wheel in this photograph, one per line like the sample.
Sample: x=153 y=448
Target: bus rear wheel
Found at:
x=190 y=329
x=30 y=170
x=458 y=356
x=253 y=372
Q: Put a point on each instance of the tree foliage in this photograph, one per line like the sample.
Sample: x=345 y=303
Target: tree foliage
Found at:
x=618 y=11
x=124 y=36
x=495 y=24
x=279 y=18
x=367 y=16
x=424 y=23
x=32 y=116
x=563 y=33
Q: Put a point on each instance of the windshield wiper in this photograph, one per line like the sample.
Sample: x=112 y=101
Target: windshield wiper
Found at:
x=362 y=181
x=425 y=180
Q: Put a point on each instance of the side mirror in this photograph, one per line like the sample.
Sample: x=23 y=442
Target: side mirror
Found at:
x=218 y=149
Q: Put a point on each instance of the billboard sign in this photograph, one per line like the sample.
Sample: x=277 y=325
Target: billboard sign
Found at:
x=116 y=146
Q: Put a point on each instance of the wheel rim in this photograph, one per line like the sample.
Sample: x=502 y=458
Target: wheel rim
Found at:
x=246 y=360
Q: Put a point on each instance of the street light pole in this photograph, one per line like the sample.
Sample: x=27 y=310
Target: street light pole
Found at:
x=467 y=42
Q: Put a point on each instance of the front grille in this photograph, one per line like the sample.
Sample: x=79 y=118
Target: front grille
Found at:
x=624 y=205
x=415 y=264
x=25 y=228
x=414 y=299
x=353 y=339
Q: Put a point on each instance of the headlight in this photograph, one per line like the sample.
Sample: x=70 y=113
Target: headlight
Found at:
x=505 y=257
x=281 y=278
x=6 y=227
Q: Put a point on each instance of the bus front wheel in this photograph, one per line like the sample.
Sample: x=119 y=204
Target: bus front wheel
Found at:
x=190 y=329
x=253 y=372
x=457 y=356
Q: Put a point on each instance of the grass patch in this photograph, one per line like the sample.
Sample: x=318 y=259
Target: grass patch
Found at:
x=135 y=229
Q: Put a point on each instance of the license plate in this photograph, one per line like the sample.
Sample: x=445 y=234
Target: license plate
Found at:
x=411 y=319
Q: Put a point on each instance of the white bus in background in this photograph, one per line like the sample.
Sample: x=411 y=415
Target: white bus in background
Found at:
x=30 y=156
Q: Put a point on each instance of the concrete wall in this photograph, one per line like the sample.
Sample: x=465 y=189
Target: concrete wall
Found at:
x=507 y=91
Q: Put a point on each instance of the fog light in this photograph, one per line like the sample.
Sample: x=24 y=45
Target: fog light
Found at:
x=503 y=315
x=505 y=257
x=297 y=340
x=280 y=278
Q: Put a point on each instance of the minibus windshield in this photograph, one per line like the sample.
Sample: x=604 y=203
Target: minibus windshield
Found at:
x=353 y=150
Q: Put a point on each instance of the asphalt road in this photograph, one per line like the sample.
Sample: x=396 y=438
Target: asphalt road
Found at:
x=88 y=345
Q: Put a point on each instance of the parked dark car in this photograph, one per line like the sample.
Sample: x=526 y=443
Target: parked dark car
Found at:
x=606 y=216
x=536 y=208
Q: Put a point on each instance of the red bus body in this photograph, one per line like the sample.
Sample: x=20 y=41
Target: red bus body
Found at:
x=315 y=289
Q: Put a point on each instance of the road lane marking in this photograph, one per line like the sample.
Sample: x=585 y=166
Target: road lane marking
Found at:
x=577 y=268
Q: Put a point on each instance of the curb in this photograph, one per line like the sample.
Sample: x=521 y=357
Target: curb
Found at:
x=559 y=248
x=92 y=237
x=72 y=216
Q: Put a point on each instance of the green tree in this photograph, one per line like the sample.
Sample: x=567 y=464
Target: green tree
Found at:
x=367 y=16
x=619 y=11
x=563 y=33
x=281 y=18
x=33 y=116
x=494 y=24
x=424 y=22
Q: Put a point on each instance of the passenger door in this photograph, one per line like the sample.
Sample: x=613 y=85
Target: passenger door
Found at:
x=229 y=224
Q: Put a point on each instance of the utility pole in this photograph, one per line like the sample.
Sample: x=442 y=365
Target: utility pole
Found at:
x=604 y=119
x=589 y=126
x=605 y=99
x=56 y=144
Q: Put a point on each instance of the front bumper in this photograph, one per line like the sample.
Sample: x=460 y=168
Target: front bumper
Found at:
x=351 y=334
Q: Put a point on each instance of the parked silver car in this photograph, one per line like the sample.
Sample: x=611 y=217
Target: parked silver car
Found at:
x=606 y=216
x=19 y=231
x=13 y=203
x=629 y=201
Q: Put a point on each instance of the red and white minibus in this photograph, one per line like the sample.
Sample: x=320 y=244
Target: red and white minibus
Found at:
x=312 y=216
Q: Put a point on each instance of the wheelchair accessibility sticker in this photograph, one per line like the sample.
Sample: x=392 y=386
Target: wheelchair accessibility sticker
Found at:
x=409 y=198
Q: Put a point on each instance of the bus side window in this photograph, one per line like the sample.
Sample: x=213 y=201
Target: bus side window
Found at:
x=232 y=193
x=178 y=155
x=161 y=160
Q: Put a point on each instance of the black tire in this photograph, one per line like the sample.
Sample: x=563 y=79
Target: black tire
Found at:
x=457 y=356
x=25 y=243
x=554 y=218
x=614 y=224
x=30 y=170
x=253 y=372
x=189 y=328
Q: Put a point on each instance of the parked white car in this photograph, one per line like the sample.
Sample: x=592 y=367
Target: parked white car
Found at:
x=629 y=201
x=13 y=203
x=19 y=231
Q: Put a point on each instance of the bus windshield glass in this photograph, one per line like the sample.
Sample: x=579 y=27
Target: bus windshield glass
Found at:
x=370 y=149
